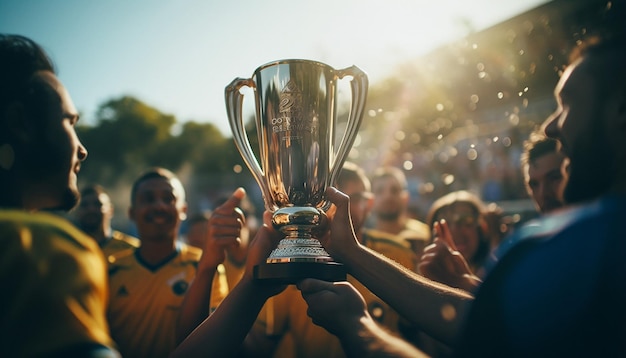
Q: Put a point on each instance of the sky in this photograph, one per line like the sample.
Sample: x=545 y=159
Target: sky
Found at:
x=178 y=56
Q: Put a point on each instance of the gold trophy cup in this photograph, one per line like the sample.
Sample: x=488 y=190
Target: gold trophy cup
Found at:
x=295 y=119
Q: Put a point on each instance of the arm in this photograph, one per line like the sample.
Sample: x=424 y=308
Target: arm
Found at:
x=218 y=335
x=221 y=231
x=437 y=309
x=341 y=310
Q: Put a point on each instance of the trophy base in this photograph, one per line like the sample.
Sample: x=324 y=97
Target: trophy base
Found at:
x=292 y=272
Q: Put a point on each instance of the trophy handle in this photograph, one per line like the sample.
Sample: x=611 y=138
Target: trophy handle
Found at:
x=234 y=107
x=359 y=85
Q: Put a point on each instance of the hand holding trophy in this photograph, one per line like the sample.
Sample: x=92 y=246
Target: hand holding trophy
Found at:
x=295 y=104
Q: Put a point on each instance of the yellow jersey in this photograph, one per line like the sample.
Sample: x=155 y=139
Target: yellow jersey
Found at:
x=119 y=242
x=54 y=286
x=146 y=300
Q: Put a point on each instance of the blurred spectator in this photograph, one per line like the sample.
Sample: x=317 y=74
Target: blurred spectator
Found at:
x=541 y=166
x=94 y=214
x=390 y=215
x=464 y=214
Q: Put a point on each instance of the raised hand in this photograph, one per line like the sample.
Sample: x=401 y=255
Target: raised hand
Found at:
x=340 y=240
x=442 y=262
x=223 y=230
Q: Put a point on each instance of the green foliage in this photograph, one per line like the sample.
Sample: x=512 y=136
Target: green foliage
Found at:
x=130 y=136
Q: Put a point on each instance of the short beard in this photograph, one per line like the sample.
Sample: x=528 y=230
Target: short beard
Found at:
x=68 y=201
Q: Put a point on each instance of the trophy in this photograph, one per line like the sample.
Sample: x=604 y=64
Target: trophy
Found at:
x=295 y=105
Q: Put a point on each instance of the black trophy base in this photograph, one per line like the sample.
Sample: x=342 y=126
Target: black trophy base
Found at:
x=292 y=272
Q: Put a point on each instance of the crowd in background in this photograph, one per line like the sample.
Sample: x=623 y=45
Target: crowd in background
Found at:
x=431 y=270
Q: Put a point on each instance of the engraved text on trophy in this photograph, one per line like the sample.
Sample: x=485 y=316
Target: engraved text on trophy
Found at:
x=290 y=117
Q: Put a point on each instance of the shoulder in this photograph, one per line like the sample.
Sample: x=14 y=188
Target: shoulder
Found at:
x=188 y=252
x=373 y=237
x=573 y=245
x=124 y=259
x=131 y=241
x=417 y=226
x=43 y=230
x=394 y=248
x=601 y=218
x=582 y=250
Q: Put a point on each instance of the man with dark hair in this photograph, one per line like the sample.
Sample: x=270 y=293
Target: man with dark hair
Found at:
x=94 y=214
x=148 y=284
x=53 y=276
x=541 y=166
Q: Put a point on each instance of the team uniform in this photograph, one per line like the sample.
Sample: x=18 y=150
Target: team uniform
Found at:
x=146 y=300
x=234 y=271
x=284 y=315
x=118 y=242
x=558 y=291
x=54 y=287
x=415 y=236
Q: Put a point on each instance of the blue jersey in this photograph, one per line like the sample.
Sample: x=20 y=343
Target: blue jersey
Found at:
x=559 y=289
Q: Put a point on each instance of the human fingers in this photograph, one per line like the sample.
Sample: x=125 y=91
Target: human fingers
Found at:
x=224 y=231
x=311 y=285
x=339 y=199
x=267 y=218
x=225 y=226
x=443 y=231
x=232 y=203
x=437 y=258
x=265 y=240
x=342 y=239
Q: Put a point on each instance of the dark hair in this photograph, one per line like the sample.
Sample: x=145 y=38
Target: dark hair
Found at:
x=20 y=58
x=153 y=173
x=390 y=172
x=607 y=55
x=350 y=172
x=536 y=146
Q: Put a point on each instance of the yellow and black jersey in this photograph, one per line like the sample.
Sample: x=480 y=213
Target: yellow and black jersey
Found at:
x=118 y=241
x=54 y=286
x=146 y=300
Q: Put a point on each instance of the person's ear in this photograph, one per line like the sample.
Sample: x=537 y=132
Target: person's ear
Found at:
x=183 y=212
x=406 y=196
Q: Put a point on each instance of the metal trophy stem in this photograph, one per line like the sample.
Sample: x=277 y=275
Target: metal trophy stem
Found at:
x=295 y=121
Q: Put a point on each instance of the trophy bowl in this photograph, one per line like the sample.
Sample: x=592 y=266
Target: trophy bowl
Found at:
x=295 y=117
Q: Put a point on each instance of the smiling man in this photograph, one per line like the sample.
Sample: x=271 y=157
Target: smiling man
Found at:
x=148 y=284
